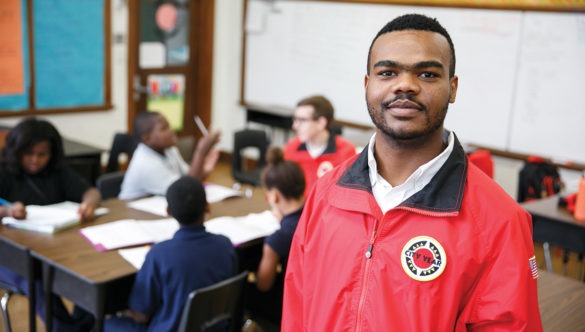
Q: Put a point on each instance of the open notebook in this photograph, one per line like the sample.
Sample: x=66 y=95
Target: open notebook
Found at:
x=49 y=218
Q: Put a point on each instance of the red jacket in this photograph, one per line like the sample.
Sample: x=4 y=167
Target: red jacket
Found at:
x=455 y=256
x=338 y=150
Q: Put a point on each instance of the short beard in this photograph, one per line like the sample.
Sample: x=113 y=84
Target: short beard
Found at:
x=406 y=139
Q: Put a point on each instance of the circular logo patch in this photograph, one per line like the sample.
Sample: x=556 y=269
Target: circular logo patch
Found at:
x=423 y=258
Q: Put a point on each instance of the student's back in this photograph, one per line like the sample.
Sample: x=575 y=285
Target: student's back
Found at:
x=191 y=260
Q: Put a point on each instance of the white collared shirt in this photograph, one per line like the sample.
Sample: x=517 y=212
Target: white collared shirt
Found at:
x=389 y=197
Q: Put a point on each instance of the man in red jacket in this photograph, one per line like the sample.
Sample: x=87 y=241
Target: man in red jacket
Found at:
x=408 y=235
x=316 y=148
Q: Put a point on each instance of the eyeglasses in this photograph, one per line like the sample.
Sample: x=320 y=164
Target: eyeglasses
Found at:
x=302 y=120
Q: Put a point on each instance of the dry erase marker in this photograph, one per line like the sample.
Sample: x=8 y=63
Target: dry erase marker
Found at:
x=5 y=202
x=200 y=125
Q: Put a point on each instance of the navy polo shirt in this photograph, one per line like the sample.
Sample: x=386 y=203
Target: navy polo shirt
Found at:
x=280 y=240
x=192 y=259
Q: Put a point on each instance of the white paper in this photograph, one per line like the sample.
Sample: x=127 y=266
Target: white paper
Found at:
x=152 y=55
x=129 y=232
x=243 y=229
x=216 y=193
x=155 y=205
x=135 y=256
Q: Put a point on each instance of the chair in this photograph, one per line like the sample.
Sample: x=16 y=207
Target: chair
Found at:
x=123 y=143
x=109 y=184
x=483 y=159
x=336 y=129
x=221 y=303
x=19 y=260
x=242 y=170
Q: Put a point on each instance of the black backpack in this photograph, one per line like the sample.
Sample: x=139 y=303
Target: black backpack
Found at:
x=538 y=179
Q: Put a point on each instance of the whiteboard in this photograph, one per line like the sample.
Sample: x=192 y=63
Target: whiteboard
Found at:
x=549 y=111
x=299 y=48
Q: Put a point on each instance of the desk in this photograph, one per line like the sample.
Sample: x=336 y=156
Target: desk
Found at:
x=561 y=301
x=100 y=282
x=555 y=225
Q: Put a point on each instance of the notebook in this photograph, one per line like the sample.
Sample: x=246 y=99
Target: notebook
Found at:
x=49 y=218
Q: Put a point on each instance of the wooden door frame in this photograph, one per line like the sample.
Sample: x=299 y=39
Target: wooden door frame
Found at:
x=198 y=86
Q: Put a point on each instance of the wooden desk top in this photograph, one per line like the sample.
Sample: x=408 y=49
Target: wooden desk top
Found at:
x=548 y=208
x=562 y=302
x=74 y=253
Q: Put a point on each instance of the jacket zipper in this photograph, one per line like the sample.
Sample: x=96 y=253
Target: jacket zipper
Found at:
x=368 y=255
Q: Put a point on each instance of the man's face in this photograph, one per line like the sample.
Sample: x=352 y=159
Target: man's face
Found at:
x=305 y=125
x=408 y=89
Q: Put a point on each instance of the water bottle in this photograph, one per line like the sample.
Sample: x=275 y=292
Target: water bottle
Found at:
x=580 y=204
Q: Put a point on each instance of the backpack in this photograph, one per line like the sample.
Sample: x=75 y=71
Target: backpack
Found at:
x=538 y=179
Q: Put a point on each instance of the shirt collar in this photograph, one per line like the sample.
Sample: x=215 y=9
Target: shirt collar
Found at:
x=389 y=197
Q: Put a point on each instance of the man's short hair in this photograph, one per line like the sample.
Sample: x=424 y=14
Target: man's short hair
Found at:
x=321 y=105
x=186 y=200
x=416 y=22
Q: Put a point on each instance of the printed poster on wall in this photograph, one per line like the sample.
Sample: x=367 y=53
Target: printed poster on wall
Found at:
x=166 y=96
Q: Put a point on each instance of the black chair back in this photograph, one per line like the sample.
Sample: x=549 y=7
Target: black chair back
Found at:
x=242 y=171
x=216 y=307
x=123 y=143
x=109 y=184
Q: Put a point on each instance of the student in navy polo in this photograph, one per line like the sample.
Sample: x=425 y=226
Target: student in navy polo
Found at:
x=192 y=259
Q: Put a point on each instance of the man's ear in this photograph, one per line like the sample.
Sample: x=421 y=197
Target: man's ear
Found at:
x=322 y=121
x=207 y=208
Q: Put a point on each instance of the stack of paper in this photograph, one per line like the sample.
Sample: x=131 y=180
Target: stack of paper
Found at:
x=49 y=218
x=129 y=233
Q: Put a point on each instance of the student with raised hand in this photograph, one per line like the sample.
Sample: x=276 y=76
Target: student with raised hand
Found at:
x=192 y=259
x=315 y=148
x=33 y=171
x=157 y=162
x=408 y=235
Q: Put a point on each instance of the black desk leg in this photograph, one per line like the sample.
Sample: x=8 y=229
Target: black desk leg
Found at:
x=100 y=311
x=48 y=272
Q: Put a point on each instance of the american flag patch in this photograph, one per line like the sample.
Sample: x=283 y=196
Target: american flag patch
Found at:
x=533 y=267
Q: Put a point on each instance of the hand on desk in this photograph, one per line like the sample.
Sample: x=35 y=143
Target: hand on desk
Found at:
x=17 y=210
x=90 y=201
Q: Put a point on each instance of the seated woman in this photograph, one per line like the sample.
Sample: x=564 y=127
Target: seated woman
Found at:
x=284 y=184
x=33 y=171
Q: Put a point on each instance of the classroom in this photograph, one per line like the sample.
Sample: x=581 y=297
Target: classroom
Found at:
x=242 y=41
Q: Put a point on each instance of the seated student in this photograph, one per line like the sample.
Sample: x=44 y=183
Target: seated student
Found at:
x=315 y=148
x=284 y=185
x=192 y=259
x=157 y=162
x=33 y=171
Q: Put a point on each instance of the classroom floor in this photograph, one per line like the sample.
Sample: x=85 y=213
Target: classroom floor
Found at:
x=18 y=306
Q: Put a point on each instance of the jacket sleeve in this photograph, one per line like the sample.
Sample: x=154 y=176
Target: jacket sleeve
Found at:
x=292 y=311
x=505 y=298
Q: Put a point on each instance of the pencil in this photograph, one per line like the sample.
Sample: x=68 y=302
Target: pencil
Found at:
x=200 y=125
x=5 y=202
